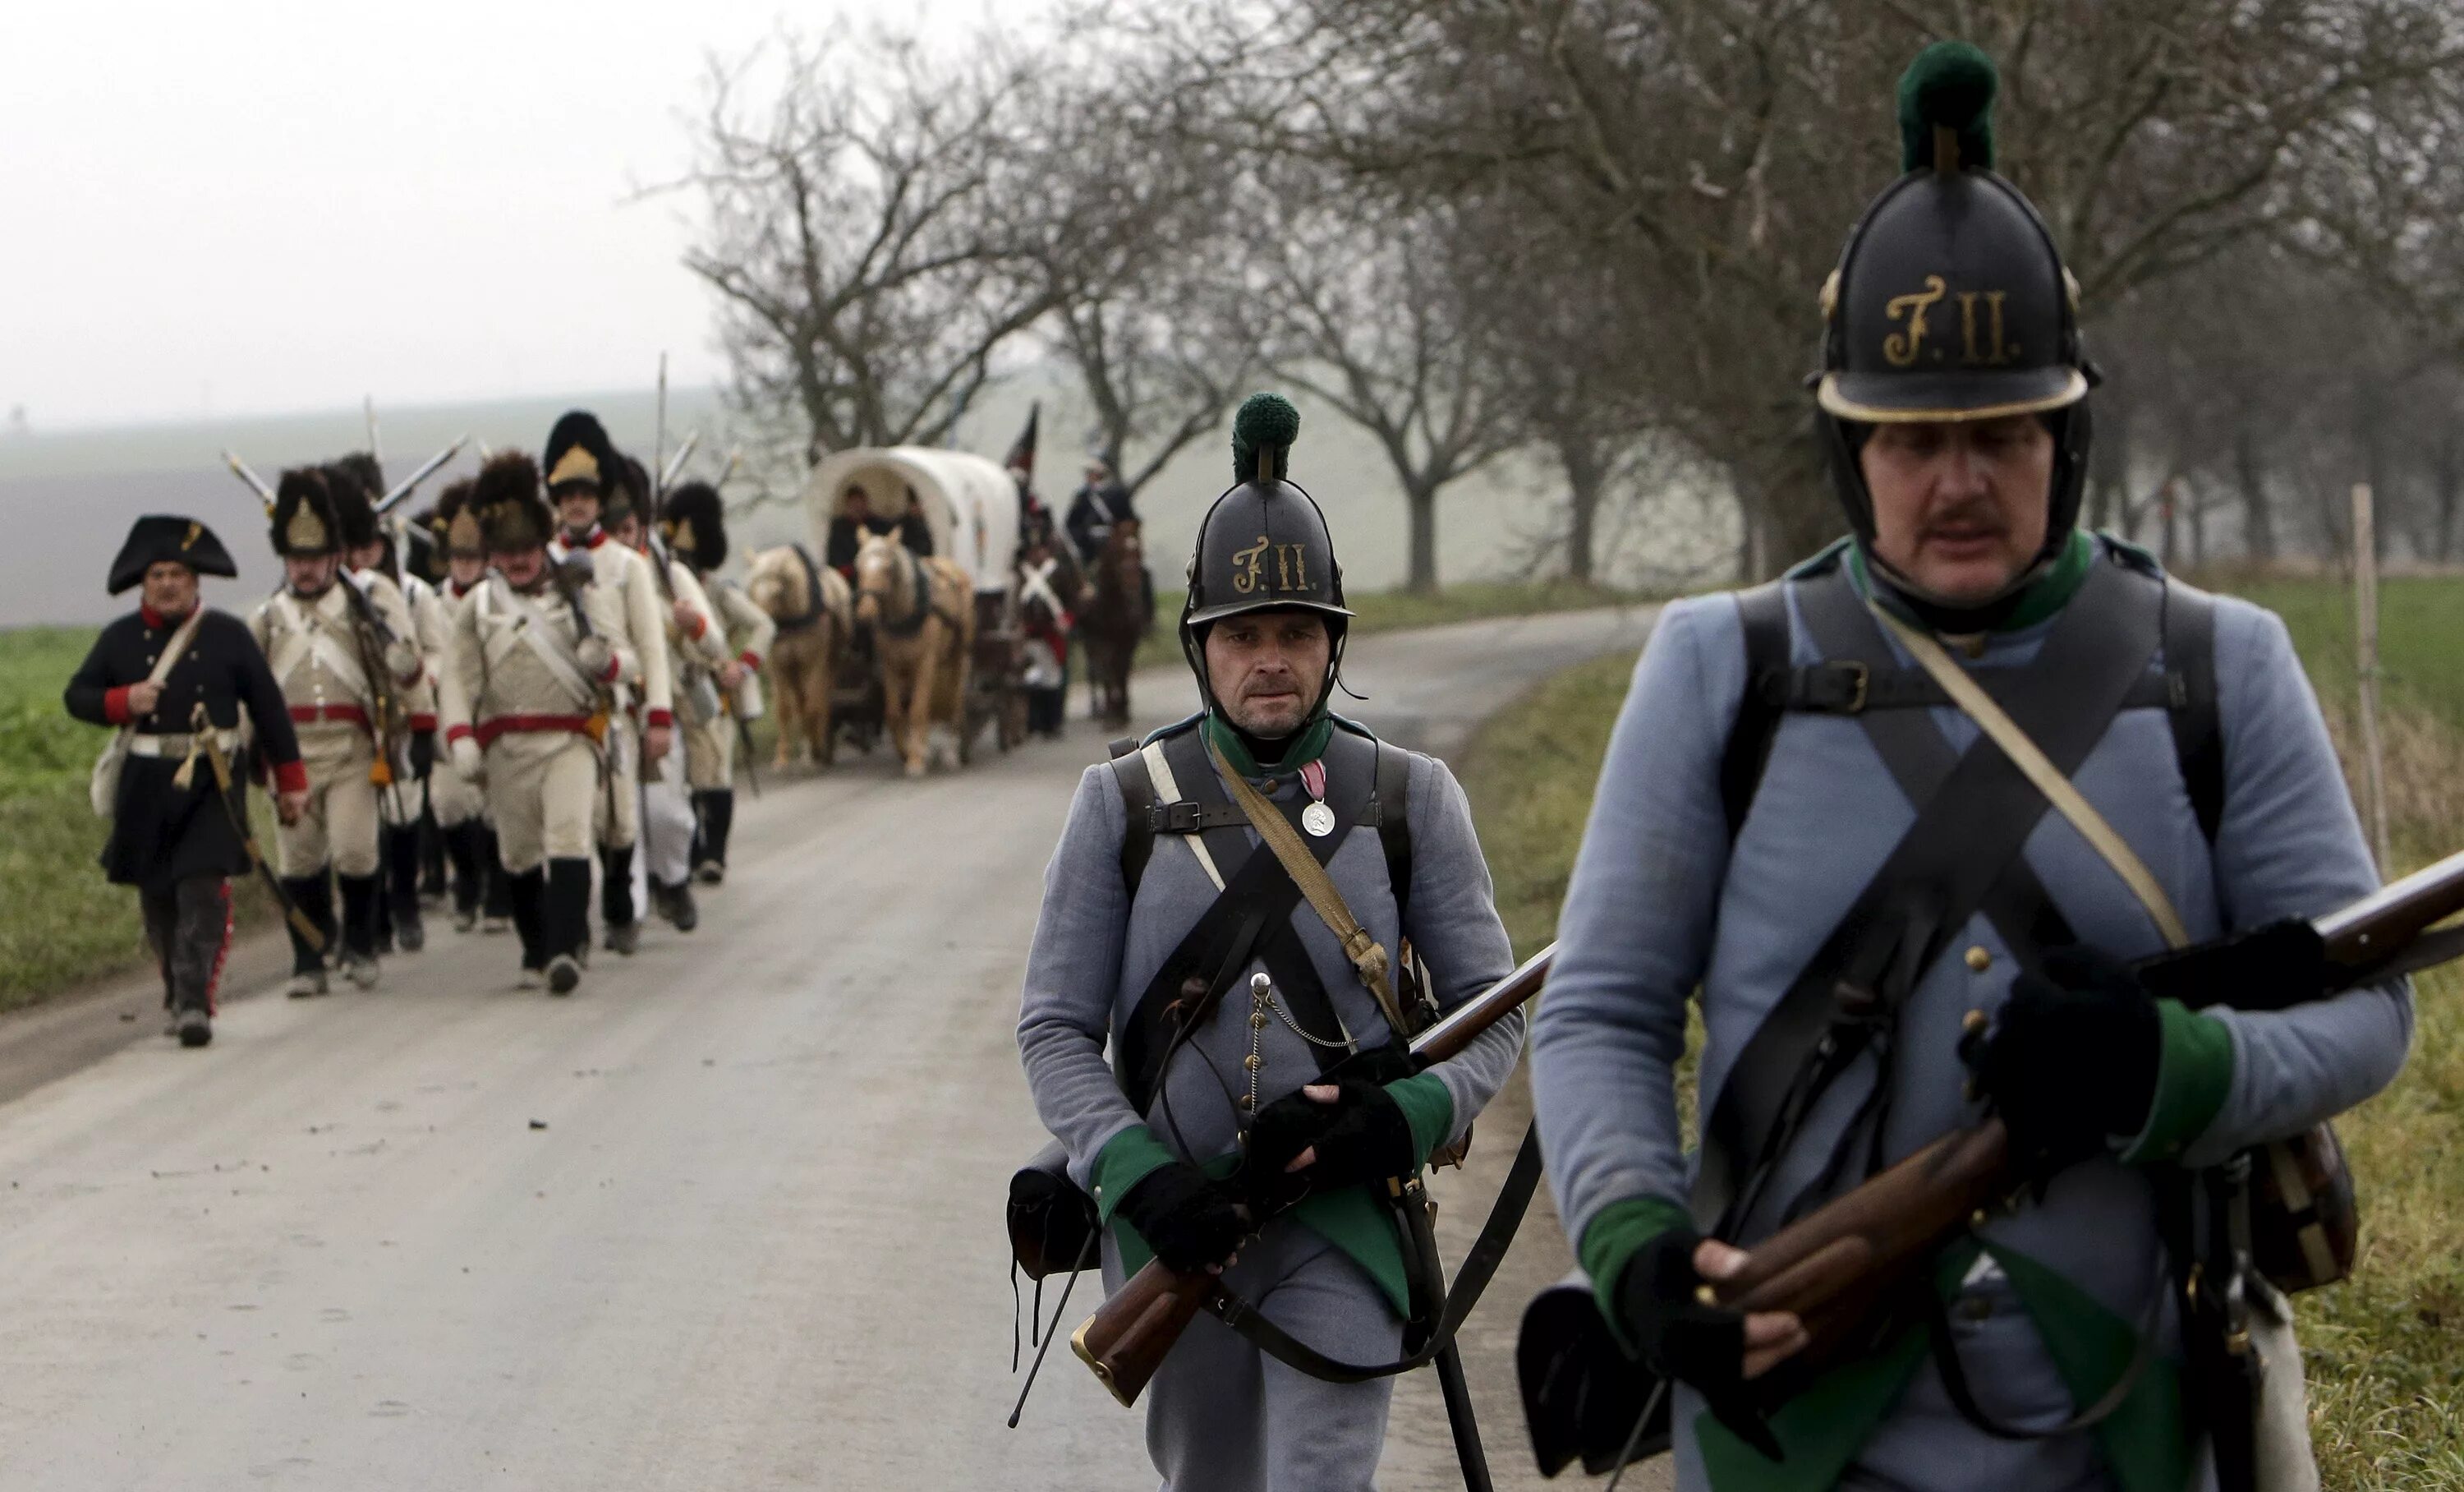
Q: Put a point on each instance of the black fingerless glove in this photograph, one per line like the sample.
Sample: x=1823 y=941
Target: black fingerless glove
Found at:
x=1677 y=1335
x=1362 y=1136
x=1184 y=1216
x=2072 y=1059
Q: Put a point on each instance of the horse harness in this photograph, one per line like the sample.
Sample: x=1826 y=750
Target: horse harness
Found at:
x=923 y=610
x=789 y=626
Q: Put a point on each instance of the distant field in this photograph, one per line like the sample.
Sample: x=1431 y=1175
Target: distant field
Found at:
x=2385 y=1355
x=1382 y=610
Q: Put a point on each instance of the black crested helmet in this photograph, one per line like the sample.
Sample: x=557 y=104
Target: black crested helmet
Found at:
x=1264 y=545
x=1951 y=301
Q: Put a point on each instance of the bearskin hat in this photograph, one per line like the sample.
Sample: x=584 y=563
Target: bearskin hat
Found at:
x=629 y=496
x=579 y=452
x=694 y=522
x=454 y=520
x=367 y=471
x=513 y=515
x=303 y=514
x=355 y=505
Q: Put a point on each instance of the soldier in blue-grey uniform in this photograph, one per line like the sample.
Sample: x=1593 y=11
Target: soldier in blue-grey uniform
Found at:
x=1780 y=826
x=1223 y=1008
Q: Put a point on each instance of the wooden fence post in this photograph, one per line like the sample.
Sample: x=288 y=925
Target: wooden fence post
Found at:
x=2366 y=602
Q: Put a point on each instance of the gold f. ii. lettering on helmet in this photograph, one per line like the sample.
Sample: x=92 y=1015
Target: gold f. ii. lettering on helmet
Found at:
x=1248 y=565
x=1902 y=348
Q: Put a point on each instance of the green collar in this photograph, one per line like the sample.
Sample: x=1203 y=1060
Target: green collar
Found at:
x=1306 y=747
x=2045 y=595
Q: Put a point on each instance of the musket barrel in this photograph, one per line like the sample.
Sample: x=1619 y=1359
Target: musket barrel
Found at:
x=2377 y=925
x=1447 y=1038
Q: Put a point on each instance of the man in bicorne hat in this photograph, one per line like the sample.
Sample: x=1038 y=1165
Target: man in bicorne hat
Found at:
x=583 y=473
x=696 y=522
x=347 y=659
x=177 y=676
x=528 y=700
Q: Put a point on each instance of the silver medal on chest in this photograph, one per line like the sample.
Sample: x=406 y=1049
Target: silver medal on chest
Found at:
x=1318 y=819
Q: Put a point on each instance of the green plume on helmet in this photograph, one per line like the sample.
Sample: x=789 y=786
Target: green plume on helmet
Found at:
x=1269 y=424
x=1950 y=86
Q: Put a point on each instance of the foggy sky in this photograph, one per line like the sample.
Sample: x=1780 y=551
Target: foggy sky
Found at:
x=256 y=207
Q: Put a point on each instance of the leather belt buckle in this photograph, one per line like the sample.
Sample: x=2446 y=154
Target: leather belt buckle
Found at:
x=1172 y=818
x=1864 y=684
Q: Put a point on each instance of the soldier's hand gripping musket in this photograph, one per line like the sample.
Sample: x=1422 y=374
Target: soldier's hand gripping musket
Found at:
x=1914 y=825
x=1257 y=972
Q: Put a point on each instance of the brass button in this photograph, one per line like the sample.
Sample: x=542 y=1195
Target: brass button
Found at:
x=1259 y=1020
x=1975 y=1308
x=1252 y=1062
x=1978 y=959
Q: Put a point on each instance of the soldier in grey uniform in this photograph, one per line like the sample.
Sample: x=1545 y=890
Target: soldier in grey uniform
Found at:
x=1780 y=826
x=1169 y=933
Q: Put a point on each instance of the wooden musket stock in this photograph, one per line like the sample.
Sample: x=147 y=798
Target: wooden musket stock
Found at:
x=1126 y=1340
x=1834 y=1266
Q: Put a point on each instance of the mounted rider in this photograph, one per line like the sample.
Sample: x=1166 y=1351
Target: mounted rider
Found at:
x=1801 y=817
x=1232 y=997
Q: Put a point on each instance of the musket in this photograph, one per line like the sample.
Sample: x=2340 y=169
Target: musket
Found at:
x=427 y=469
x=676 y=463
x=203 y=728
x=659 y=445
x=1838 y=1265
x=256 y=483
x=1126 y=1340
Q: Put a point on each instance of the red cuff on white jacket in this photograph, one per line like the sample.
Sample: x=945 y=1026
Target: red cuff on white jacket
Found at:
x=750 y=659
x=455 y=733
x=615 y=666
x=114 y=704
x=291 y=776
x=662 y=718
x=701 y=625
x=422 y=722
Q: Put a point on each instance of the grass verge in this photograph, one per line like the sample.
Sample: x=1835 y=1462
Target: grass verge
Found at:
x=2386 y=1349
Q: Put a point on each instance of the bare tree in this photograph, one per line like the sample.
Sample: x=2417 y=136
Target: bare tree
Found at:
x=1723 y=149
x=1387 y=321
x=853 y=230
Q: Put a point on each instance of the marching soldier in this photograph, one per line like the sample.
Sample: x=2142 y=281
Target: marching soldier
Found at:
x=696 y=653
x=356 y=482
x=536 y=653
x=460 y=807
x=345 y=657
x=584 y=471
x=176 y=676
x=1801 y=818
x=695 y=523
x=1226 y=998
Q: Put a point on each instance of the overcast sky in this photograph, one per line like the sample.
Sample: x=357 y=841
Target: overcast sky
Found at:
x=251 y=207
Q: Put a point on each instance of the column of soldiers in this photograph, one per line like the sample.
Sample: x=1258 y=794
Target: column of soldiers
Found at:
x=543 y=653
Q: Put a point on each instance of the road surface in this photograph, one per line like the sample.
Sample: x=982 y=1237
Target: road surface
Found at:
x=729 y=1218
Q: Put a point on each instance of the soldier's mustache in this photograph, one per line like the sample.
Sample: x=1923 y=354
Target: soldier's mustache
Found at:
x=1968 y=518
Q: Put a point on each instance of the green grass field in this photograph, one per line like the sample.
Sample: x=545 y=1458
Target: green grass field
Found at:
x=1383 y=610
x=2386 y=1349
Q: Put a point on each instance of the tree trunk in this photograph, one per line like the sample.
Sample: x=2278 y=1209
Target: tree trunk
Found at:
x=2449 y=478
x=1586 y=479
x=2258 y=518
x=1420 y=500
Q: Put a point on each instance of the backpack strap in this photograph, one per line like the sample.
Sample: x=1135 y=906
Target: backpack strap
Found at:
x=2189 y=632
x=1137 y=792
x=1764 y=612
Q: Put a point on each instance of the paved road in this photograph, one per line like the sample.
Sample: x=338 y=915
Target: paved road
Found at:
x=730 y=1218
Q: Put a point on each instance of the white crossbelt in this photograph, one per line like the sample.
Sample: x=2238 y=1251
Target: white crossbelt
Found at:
x=531 y=628
x=304 y=633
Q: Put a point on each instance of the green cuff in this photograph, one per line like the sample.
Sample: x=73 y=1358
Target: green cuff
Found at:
x=1428 y=1109
x=1124 y=1162
x=2195 y=1070
x=1613 y=1239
